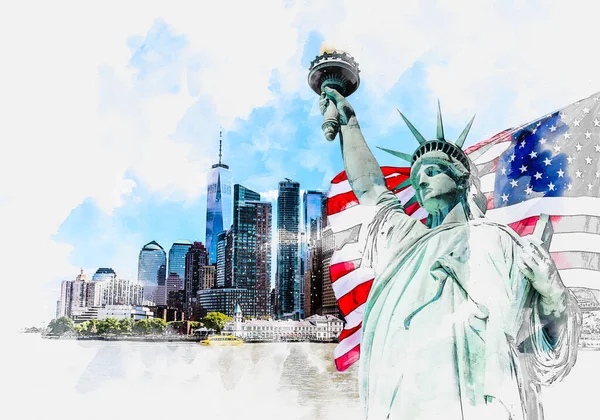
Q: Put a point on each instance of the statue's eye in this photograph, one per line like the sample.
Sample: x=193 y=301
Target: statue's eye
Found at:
x=432 y=171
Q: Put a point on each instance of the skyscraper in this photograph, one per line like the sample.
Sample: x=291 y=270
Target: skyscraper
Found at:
x=252 y=250
x=196 y=258
x=244 y=234
x=313 y=206
x=152 y=264
x=104 y=274
x=74 y=295
x=221 y=253
x=219 y=207
x=177 y=254
x=288 y=251
x=330 y=306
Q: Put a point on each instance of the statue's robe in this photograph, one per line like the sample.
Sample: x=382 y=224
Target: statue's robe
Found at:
x=452 y=328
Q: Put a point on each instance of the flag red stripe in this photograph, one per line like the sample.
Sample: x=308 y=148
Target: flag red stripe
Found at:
x=498 y=138
x=341 y=269
x=393 y=181
x=386 y=170
x=356 y=297
x=527 y=226
x=347 y=333
x=347 y=359
x=341 y=202
x=412 y=208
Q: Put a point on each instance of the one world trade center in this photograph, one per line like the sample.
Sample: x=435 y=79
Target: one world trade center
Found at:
x=219 y=203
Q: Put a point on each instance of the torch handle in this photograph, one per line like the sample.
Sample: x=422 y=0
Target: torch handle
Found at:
x=331 y=124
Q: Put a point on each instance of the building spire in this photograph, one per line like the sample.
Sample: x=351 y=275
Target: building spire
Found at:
x=220 y=143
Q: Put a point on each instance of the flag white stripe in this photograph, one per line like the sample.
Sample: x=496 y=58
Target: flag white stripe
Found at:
x=576 y=241
x=492 y=153
x=351 y=217
x=579 y=223
x=347 y=344
x=558 y=206
x=348 y=253
x=339 y=188
x=348 y=282
x=406 y=194
x=344 y=186
x=580 y=277
x=355 y=317
x=487 y=182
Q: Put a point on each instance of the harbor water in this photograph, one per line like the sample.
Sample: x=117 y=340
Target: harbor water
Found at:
x=72 y=379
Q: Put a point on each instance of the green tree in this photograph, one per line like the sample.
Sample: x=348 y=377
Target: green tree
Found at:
x=158 y=325
x=216 y=321
x=61 y=325
x=87 y=328
x=142 y=326
x=126 y=325
x=108 y=326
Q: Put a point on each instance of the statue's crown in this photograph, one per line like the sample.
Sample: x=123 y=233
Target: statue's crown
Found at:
x=440 y=144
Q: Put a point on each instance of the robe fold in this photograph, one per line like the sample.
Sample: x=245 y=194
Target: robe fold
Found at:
x=452 y=328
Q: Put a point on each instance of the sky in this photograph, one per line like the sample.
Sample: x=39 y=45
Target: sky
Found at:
x=111 y=111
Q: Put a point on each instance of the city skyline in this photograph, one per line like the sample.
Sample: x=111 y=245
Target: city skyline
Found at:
x=148 y=89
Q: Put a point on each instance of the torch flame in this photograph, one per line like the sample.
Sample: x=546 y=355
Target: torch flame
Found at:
x=327 y=48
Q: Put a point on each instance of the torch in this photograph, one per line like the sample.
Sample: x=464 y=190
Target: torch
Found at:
x=336 y=70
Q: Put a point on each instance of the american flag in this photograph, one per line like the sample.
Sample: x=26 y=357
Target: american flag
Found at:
x=549 y=166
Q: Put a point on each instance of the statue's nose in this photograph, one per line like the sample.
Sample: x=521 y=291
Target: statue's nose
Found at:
x=423 y=181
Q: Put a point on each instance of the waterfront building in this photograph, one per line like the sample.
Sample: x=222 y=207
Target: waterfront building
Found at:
x=152 y=263
x=209 y=273
x=115 y=292
x=314 y=280
x=229 y=251
x=85 y=314
x=65 y=298
x=251 y=249
x=330 y=306
x=302 y=271
x=104 y=274
x=314 y=207
x=79 y=293
x=134 y=312
x=324 y=328
x=219 y=206
x=223 y=300
x=174 y=285
x=288 y=252
x=196 y=258
x=221 y=255
x=177 y=255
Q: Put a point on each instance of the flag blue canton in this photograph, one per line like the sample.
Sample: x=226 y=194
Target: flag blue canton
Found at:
x=557 y=155
x=534 y=164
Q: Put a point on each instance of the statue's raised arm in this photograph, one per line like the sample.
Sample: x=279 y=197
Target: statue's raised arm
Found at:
x=363 y=171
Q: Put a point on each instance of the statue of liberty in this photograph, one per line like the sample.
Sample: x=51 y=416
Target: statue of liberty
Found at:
x=465 y=319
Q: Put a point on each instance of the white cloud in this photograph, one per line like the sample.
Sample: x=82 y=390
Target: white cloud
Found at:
x=270 y=195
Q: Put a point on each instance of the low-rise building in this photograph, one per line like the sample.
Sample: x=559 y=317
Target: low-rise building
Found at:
x=314 y=328
x=125 y=312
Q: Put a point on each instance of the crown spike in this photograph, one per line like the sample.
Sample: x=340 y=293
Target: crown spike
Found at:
x=410 y=202
x=413 y=130
x=404 y=156
x=440 y=125
x=407 y=182
x=463 y=136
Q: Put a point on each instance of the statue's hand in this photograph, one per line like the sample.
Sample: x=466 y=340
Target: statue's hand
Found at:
x=344 y=108
x=541 y=272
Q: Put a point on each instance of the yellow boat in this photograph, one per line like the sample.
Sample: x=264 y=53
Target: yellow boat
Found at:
x=222 y=340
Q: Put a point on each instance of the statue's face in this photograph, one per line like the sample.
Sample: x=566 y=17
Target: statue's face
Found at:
x=436 y=188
